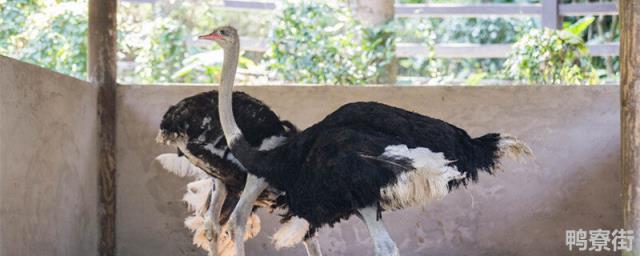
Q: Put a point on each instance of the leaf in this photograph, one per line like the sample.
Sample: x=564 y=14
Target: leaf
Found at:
x=476 y=78
x=247 y=63
x=580 y=26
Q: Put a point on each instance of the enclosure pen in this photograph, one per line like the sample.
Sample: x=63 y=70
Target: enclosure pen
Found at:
x=78 y=174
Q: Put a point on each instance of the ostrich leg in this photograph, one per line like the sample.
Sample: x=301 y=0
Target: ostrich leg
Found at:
x=313 y=246
x=382 y=242
x=212 y=219
x=238 y=220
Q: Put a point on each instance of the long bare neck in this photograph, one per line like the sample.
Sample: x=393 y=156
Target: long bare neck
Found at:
x=239 y=146
x=225 y=96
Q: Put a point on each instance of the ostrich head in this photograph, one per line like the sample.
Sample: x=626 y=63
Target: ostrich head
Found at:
x=224 y=36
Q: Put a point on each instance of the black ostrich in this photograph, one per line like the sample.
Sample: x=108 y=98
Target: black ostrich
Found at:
x=362 y=159
x=192 y=125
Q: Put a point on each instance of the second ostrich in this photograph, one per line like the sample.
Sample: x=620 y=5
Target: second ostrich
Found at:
x=362 y=159
x=192 y=125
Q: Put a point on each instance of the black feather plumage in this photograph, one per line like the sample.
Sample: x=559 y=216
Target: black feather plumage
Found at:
x=336 y=167
x=195 y=120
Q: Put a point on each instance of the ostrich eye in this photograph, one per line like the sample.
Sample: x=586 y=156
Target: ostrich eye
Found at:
x=223 y=32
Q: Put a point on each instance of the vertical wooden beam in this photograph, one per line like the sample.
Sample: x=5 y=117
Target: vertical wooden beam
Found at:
x=550 y=14
x=630 y=115
x=102 y=73
x=374 y=13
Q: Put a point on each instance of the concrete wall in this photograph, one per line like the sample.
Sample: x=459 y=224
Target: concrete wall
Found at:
x=574 y=182
x=48 y=192
x=48 y=195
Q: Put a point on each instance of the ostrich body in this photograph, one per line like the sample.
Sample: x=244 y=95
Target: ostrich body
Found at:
x=362 y=159
x=192 y=125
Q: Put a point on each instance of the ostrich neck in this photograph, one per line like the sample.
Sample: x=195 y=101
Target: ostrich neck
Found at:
x=225 y=96
x=239 y=146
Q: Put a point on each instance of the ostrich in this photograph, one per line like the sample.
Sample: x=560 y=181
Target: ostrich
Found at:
x=192 y=125
x=362 y=159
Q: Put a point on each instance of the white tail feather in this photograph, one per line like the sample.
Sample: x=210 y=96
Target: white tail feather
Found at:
x=429 y=180
x=514 y=148
x=180 y=166
x=291 y=233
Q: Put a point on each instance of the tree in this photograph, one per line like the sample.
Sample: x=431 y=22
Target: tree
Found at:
x=547 y=56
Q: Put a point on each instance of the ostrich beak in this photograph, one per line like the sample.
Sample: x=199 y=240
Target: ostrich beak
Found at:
x=212 y=36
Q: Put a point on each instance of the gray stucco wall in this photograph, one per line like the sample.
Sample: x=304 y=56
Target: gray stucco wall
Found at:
x=574 y=182
x=48 y=195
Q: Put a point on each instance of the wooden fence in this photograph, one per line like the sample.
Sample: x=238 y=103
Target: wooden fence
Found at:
x=549 y=11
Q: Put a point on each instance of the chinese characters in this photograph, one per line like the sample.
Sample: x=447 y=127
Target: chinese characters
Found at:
x=599 y=240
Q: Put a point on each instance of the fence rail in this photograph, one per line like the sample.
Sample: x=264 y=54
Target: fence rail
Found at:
x=454 y=51
x=460 y=51
x=584 y=9
x=465 y=10
x=474 y=10
x=448 y=51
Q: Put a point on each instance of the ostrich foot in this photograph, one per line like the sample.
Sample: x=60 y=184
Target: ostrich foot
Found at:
x=212 y=233
x=236 y=233
x=211 y=230
x=231 y=227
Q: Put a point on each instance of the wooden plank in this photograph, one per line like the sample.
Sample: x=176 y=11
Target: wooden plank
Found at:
x=424 y=10
x=251 y=44
x=454 y=51
x=102 y=73
x=249 y=5
x=550 y=15
x=604 y=49
x=630 y=116
x=585 y=9
x=141 y=1
x=466 y=10
x=461 y=51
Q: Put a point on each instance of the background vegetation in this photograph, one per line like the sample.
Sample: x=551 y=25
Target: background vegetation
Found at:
x=308 y=43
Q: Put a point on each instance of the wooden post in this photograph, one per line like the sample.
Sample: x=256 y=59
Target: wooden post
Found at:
x=630 y=115
x=374 y=13
x=550 y=15
x=102 y=73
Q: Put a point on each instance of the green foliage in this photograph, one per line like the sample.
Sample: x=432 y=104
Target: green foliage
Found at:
x=206 y=66
x=309 y=43
x=158 y=42
x=14 y=15
x=580 y=26
x=317 y=43
x=431 y=31
x=422 y=31
x=546 y=56
x=54 y=37
x=153 y=40
x=163 y=51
